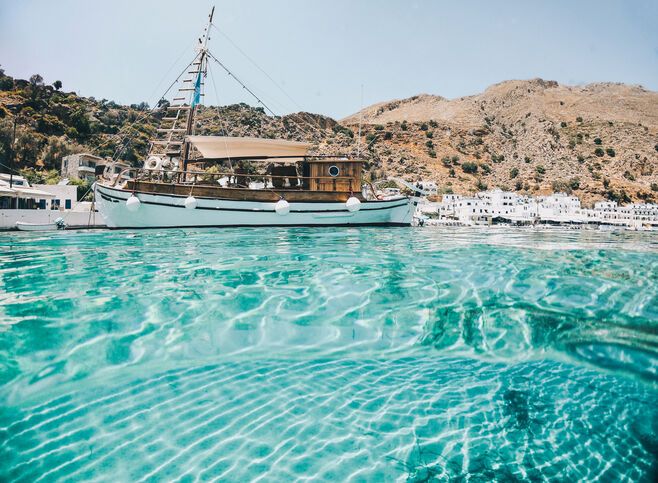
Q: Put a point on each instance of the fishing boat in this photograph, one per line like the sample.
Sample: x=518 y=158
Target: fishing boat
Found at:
x=258 y=182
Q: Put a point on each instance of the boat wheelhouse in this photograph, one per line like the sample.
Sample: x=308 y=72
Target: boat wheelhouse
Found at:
x=201 y=181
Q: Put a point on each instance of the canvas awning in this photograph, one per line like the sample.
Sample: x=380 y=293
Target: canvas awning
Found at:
x=223 y=147
x=6 y=191
x=24 y=192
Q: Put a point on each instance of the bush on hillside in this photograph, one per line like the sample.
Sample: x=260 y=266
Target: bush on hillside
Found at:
x=469 y=167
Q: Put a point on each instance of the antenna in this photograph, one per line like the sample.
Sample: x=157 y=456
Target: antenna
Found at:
x=358 y=146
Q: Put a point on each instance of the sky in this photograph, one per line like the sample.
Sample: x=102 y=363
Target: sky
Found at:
x=328 y=57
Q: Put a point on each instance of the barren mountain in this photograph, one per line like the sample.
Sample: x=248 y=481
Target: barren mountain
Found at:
x=598 y=140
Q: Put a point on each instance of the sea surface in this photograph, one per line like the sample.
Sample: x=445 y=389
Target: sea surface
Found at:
x=333 y=354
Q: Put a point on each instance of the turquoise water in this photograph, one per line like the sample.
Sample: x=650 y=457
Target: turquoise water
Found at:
x=329 y=354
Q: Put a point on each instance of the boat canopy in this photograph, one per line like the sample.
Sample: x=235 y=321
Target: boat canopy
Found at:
x=224 y=147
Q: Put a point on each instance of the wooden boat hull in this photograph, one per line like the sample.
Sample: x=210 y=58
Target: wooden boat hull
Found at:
x=168 y=210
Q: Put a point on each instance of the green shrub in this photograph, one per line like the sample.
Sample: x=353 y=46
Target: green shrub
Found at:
x=451 y=173
x=574 y=183
x=469 y=167
x=338 y=129
x=610 y=152
x=540 y=169
x=429 y=144
x=654 y=186
x=455 y=160
x=388 y=135
x=620 y=197
x=513 y=173
x=563 y=124
x=486 y=169
x=379 y=127
x=446 y=161
x=629 y=176
x=481 y=185
x=597 y=141
x=598 y=152
x=433 y=123
x=527 y=159
x=404 y=126
x=518 y=186
x=429 y=134
x=581 y=159
x=579 y=119
x=432 y=153
x=423 y=127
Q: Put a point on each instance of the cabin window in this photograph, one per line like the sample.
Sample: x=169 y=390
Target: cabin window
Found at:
x=334 y=171
x=67 y=204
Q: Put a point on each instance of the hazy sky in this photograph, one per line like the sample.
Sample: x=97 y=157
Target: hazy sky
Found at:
x=321 y=52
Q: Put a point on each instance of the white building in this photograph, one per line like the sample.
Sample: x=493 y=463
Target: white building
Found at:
x=488 y=206
x=80 y=166
x=41 y=204
x=559 y=207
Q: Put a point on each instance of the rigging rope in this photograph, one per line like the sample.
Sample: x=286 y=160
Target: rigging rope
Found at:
x=316 y=126
x=241 y=83
x=128 y=135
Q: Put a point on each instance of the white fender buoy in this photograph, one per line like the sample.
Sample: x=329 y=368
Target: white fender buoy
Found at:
x=282 y=207
x=190 y=202
x=353 y=204
x=133 y=203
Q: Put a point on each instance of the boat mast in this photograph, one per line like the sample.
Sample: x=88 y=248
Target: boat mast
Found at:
x=170 y=142
x=202 y=68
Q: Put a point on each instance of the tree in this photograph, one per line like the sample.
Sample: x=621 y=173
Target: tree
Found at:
x=36 y=80
x=57 y=85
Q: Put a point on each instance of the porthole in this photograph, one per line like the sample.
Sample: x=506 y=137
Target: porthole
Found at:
x=334 y=171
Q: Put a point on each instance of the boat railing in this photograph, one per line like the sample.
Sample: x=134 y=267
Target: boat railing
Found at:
x=233 y=179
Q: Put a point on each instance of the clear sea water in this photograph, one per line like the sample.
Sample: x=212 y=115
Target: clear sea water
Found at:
x=415 y=354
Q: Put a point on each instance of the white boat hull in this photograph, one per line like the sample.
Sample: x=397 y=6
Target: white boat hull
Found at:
x=23 y=226
x=161 y=210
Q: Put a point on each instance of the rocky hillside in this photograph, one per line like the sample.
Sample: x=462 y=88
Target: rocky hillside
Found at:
x=599 y=140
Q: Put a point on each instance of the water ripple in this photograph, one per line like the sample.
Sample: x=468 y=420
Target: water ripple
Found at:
x=354 y=354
